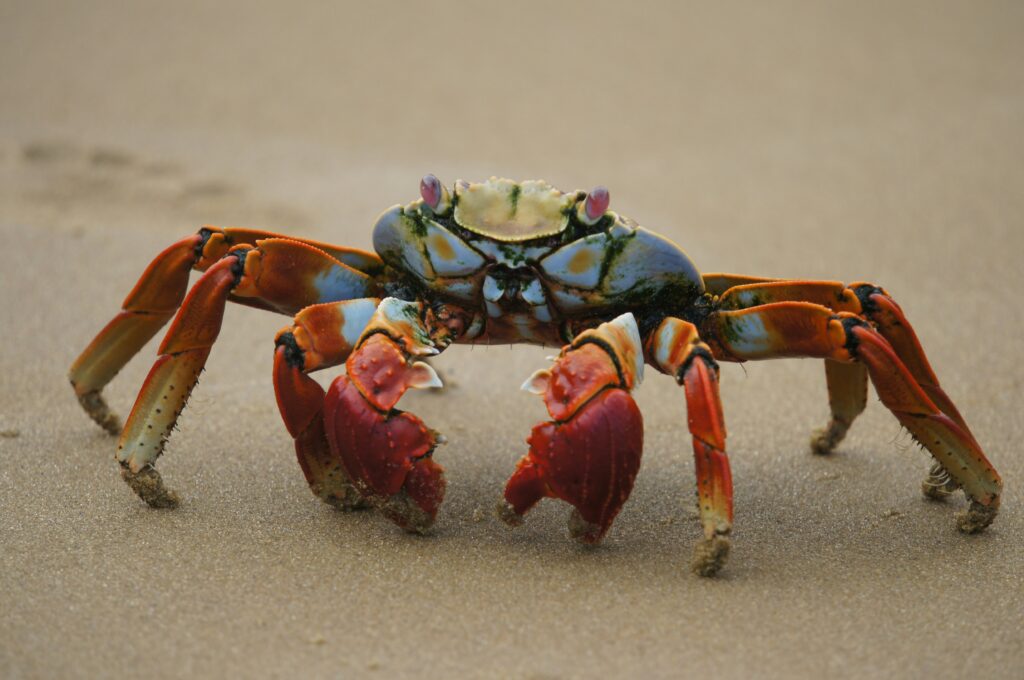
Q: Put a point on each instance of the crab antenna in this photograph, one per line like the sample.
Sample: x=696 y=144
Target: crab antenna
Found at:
x=434 y=194
x=593 y=208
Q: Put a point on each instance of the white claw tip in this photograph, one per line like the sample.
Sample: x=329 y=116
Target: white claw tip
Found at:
x=538 y=382
x=424 y=376
x=626 y=323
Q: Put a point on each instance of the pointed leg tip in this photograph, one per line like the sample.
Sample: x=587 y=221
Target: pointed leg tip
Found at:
x=149 y=486
x=820 y=445
x=825 y=440
x=976 y=518
x=507 y=513
x=112 y=424
x=710 y=555
x=96 y=407
x=583 y=531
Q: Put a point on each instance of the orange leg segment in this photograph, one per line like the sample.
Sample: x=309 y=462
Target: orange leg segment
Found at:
x=154 y=300
x=322 y=336
x=887 y=316
x=676 y=349
x=846 y=386
x=847 y=398
x=144 y=312
x=280 y=274
x=804 y=329
x=589 y=454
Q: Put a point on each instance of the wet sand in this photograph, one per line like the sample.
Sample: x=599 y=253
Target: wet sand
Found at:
x=876 y=143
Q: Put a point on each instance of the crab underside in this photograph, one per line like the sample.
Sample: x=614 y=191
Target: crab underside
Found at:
x=507 y=262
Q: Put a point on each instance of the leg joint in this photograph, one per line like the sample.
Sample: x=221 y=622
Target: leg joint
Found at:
x=864 y=293
x=204 y=237
x=293 y=354
x=849 y=323
x=699 y=352
x=238 y=267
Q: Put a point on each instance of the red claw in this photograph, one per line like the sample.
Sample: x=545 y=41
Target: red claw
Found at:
x=386 y=455
x=425 y=485
x=589 y=461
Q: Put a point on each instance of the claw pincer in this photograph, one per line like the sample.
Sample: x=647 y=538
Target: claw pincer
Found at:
x=385 y=451
x=589 y=454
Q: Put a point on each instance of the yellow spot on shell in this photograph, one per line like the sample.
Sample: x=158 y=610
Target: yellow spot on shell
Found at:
x=582 y=261
x=440 y=247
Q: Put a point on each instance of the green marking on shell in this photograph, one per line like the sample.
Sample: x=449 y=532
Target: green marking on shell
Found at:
x=613 y=249
x=669 y=295
x=512 y=254
x=416 y=224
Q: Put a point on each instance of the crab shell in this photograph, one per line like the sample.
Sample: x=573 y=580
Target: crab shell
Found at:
x=524 y=254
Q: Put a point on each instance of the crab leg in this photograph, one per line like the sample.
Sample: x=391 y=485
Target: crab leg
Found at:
x=387 y=452
x=809 y=330
x=144 y=312
x=846 y=388
x=153 y=301
x=675 y=348
x=718 y=283
x=882 y=310
x=277 y=273
x=589 y=454
x=322 y=336
x=847 y=398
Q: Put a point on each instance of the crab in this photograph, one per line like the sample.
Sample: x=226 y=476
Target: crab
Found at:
x=513 y=262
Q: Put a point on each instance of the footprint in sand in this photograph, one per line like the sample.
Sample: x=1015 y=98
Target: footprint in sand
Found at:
x=209 y=190
x=49 y=152
x=110 y=158
x=70 y=186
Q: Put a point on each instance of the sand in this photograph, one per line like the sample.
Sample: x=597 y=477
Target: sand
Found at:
x=869 y=142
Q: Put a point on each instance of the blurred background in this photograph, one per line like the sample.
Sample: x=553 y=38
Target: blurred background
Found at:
x=871 y=141
x=803 y=123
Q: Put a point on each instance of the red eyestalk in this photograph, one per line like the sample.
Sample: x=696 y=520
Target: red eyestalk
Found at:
x=434 y=194
x=595 y=205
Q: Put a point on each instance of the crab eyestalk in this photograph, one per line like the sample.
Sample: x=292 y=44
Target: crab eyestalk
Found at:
x=435 y=195
x=590 y=210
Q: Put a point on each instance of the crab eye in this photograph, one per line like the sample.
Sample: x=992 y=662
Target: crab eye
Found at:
x=594 y=207
x=434 y=194
x=430 y=190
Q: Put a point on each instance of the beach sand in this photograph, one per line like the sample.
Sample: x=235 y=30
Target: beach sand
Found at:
x=879 y=142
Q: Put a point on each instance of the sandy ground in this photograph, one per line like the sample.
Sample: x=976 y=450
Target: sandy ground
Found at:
x=879 y=142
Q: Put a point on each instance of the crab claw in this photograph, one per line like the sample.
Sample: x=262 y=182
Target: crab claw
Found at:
x=386 y=452
x=589 y=462
x=594 y=206
x=589 y=455
x=435 y=195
